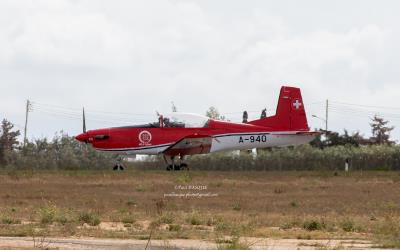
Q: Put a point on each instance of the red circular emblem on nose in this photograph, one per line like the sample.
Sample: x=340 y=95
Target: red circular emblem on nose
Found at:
x=145 y=137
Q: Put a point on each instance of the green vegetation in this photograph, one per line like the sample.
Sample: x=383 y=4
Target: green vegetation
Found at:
x=128 y=220
x=61 y=152
x=300 y=158
x=312 y=225
x=89 y=218
x=167 y=218
x=387 y=233
x=47 y=214
x=174 y=227
x=9 y=220
x=194 y=219
x=348 y=225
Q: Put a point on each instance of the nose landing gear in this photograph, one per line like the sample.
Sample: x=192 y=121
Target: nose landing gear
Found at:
x=118 y=166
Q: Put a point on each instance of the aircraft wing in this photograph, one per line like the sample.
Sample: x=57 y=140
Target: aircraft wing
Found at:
x=190 y=145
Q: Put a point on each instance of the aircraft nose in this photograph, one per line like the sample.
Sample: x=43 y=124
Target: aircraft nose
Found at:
x=82 y=137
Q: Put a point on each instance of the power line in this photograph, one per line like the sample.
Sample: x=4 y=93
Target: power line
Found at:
x=79 y=110
x=367 y=106
x=364 y=111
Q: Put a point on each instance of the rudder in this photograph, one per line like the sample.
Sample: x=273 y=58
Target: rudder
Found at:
x=290 y=113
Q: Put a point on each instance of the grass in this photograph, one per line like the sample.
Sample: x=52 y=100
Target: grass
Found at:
x=299 y=204
x=194 y=219
x=387 y=233
x=128 y=220
x=174 y=227
x=167 y=218
x=131 y=202
x=348 y=225
x=9 y=220
x=237 y=206
x=89 y=218
x=184 y=177
x=47 y=214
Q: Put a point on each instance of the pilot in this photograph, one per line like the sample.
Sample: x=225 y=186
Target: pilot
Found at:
x=167 y=124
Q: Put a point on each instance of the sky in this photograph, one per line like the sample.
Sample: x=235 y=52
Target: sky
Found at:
x=126 y=60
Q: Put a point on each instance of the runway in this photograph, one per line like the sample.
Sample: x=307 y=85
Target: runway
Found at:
x=253 y=243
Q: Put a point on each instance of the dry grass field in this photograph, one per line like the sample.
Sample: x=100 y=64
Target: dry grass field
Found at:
x=219 y=206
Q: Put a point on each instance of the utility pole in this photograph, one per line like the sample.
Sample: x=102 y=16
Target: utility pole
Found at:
x=27 y=110
x=326 y=116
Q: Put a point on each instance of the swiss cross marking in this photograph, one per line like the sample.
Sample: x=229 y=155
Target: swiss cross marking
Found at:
x=297 y=104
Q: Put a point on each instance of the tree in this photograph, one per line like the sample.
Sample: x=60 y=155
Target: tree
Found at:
x=380 y=131
x=213 y=113
x=8 y=139
x=336 y=139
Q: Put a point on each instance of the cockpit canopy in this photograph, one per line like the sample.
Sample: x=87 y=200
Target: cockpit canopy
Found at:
x=176 y=120
x=184 y=120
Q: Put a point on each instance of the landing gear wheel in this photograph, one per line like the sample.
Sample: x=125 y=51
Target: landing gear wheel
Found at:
x=184 y=166
x=174 y=168
x=118 y=167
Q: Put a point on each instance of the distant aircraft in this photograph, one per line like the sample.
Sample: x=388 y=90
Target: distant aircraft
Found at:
x=180 y=134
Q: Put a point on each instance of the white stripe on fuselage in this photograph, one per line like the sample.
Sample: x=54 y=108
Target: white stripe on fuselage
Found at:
x=231 y=141
x=147 y=150
x=258 y=140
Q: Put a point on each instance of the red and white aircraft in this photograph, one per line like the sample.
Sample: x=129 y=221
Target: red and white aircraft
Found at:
x=179 y=135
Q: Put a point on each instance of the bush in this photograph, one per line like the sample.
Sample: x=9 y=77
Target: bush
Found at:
x=174 y=227
x=8 y=220
x=294 y=204
x=312 y=225
x=194 y=219
x=166 y=218
x=62 y=152
x=128 y=220
x=348 y=225
x=131 y=202
x=62 y=219
x=47 y=214
x=89 y=218
x=236 y=206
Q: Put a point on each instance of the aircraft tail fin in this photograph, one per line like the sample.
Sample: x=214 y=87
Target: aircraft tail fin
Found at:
x=290 y=113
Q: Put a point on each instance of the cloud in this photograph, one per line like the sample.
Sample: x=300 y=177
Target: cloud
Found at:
x=129 y=56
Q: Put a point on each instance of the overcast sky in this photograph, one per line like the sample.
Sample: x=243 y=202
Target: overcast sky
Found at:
x=125 y=60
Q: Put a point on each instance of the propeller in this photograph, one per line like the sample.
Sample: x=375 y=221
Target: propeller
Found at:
x=84 y=121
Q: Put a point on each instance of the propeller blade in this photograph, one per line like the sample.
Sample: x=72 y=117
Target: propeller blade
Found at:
x=84 y=121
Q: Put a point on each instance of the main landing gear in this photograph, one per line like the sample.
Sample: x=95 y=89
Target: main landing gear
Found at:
x=172 y=166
